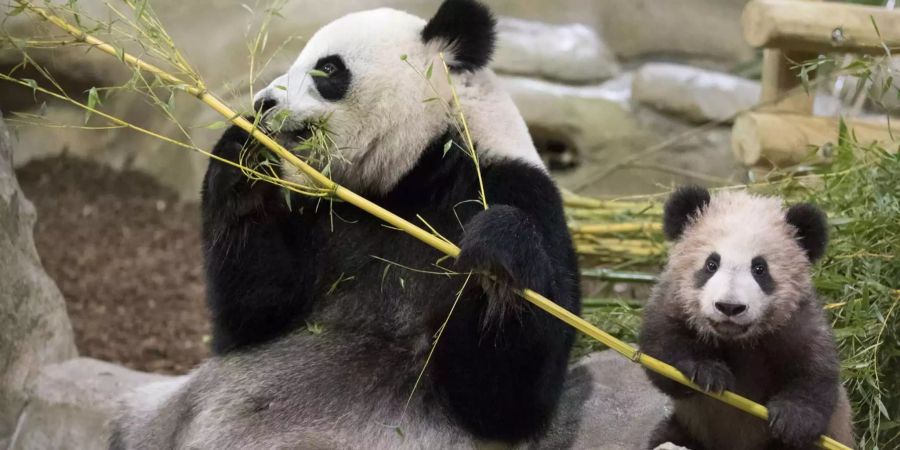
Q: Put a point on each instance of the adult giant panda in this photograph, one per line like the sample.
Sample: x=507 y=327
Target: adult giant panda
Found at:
x=278 y=269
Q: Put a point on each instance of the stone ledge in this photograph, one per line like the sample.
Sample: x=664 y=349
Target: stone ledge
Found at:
x=70 y=404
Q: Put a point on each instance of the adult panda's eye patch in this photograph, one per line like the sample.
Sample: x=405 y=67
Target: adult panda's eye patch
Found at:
x=332 y=78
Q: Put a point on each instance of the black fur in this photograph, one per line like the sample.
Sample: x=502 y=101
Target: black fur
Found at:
x=793 y=371
x=683 y=204
x=498 y=375
x=812 y=228
x=335 y=85
x=467 y=26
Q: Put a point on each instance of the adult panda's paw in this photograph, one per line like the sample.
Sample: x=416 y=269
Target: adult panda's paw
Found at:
x=709 y=374
x=796 y=424
x=503 y=245
x=226 y=190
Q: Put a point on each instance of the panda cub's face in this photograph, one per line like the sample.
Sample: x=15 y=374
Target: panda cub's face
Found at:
x=740 y=265
x=366 y=74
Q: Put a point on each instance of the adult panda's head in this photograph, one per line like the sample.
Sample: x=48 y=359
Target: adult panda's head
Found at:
x=377 y=106
x=740 y=262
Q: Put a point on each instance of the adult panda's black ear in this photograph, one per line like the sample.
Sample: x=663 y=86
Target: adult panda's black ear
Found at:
x=466 y=29
x=686 y=202
x=812 y=228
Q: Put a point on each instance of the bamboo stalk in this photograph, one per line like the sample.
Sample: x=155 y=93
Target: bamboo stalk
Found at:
x=613 y=228
x=450 y=249
x=617 y=275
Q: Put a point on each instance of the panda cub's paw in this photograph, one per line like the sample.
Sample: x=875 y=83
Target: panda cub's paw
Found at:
x=502 y=241
x=796 y=424
x=711 y=375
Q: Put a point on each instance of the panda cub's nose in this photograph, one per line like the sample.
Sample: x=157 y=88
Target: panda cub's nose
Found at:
x=730 y=309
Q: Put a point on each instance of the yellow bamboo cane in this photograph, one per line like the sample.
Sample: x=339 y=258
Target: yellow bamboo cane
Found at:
x=448 y=248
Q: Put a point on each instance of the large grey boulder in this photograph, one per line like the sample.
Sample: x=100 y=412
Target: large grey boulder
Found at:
x=693 y=93
x=571 y=53
x=72 y=403
x=34 y=326
x=608 y=404
x=588 y=117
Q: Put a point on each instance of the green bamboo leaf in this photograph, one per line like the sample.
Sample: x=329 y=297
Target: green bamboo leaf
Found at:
x=317 y=73
x=428 y=70
x=170 y=104
x=92 y=103
x=32 y=84
x=447 y=146
x=139 y=9
x=216 y=125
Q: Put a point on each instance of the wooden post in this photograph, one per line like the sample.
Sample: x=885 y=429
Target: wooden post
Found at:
x=781 y=84
x=782 y=140
x=819 y=26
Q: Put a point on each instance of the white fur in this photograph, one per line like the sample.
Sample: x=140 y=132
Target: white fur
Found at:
x=384 y=123
x=733 y=283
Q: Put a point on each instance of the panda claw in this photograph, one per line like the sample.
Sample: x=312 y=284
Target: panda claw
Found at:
x=710 y=375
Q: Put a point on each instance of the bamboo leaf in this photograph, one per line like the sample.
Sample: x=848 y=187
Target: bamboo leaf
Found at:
x=317 y=73
x=139 y=9
x=32 y=84
x=93 y=102
x=447 y=146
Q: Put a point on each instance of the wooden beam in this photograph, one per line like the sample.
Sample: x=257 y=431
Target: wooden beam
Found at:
x=819 y=27
x=781 y=86
x=782 y=140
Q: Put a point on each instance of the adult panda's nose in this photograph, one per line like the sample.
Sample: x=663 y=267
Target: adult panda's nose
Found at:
x=264 y=104
x=730 y=309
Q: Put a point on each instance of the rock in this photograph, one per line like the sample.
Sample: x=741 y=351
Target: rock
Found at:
x=34 y=326
x=608 y=403
x=670 y=446
x=584 y=117
x=696 y=94
x=72 y=402
x=695 y=28
x=570 y=53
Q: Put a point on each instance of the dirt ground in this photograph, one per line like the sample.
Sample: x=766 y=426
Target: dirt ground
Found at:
x=126 y=256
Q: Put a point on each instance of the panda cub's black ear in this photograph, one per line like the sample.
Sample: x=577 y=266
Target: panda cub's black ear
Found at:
x=684 y=203
x=467 y=29
x=812 y=228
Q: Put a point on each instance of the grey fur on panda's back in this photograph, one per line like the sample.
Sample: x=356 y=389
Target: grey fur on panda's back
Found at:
x=319 y=327
x=785 y=359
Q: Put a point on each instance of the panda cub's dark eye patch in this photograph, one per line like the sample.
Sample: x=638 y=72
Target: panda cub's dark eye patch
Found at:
x=710 y=266
x=759 y=267
x=331 y=77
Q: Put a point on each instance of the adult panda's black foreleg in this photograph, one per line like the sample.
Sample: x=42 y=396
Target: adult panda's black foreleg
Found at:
x=501 y=362
x=254 y=288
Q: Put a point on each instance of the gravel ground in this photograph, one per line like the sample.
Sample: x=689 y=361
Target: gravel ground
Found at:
x=126 y=255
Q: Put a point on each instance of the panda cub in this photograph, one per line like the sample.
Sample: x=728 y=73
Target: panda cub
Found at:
x=735 y=309
x=323 y=317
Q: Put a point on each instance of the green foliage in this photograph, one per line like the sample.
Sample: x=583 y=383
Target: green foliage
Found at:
x=860 y=279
